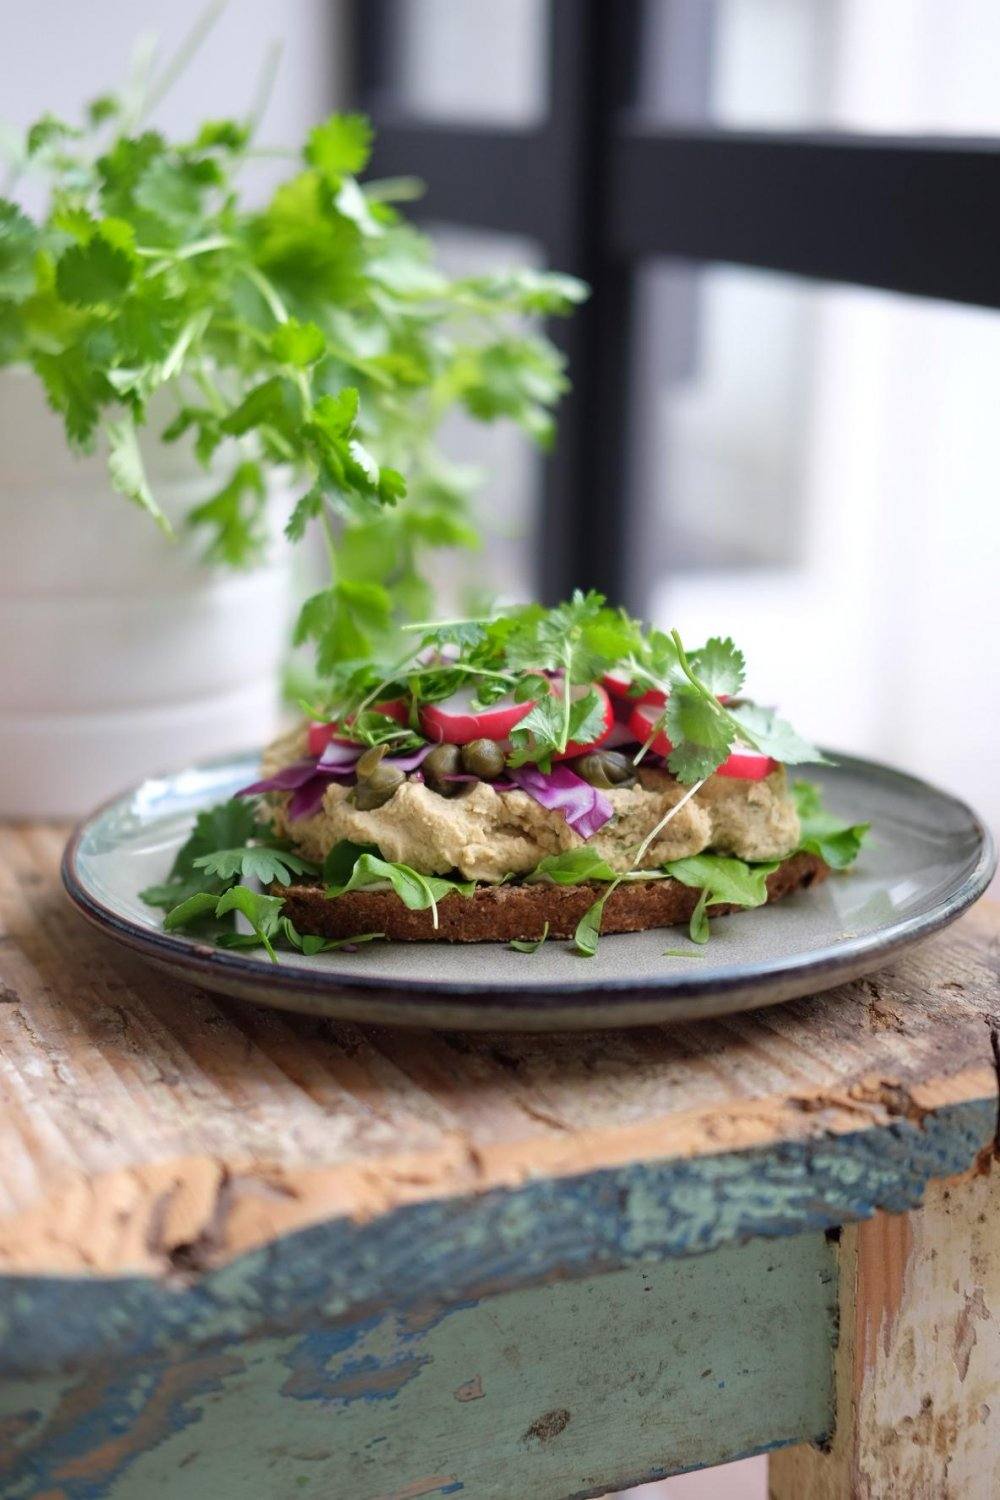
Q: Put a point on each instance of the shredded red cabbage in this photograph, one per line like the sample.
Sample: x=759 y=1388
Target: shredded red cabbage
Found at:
x=308 y=780
x=585 y=807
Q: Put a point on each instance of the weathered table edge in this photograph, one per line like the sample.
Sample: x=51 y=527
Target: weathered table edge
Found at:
x=451 y=1250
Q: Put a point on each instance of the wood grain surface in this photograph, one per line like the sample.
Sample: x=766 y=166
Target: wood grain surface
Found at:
x=150 y=1128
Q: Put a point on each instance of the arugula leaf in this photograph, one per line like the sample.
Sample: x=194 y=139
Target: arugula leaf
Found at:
x=720 y=878
x=262 y=912
x=341 y=859
x=572 y=867
x=588 y=929
x=191 y=910
x=524 y=945
x=823 y=833
x=310 y=943
x=416 y=891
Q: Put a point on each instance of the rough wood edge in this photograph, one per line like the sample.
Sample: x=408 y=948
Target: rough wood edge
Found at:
x=145 y=1219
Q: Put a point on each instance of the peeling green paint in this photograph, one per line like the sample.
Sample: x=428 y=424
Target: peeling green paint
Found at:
x=579 y=1387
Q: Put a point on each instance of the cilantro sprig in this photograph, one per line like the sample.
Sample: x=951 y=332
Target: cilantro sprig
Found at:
x=314 y=336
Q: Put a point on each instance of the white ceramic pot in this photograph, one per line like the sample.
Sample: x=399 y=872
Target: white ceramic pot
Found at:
x=121 y=653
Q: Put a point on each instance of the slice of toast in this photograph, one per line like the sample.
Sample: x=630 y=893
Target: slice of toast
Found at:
x=498 y=913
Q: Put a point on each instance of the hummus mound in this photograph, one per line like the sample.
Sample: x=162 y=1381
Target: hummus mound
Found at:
x=487 y=834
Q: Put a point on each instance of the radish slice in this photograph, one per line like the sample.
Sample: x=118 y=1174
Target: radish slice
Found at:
x=619 y=685
x=743 y=763
x=580 y=747
x=641 y=722
x=455 y=723
x=320 y=735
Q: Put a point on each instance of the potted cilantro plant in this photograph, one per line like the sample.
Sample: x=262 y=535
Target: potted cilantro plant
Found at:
x=234 y=373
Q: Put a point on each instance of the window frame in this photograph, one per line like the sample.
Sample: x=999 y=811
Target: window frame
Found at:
x=602 y=190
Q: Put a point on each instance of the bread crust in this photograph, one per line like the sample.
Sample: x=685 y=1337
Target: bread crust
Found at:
x=498 y=913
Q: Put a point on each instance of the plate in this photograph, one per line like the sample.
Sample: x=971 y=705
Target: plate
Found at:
x=928 y=859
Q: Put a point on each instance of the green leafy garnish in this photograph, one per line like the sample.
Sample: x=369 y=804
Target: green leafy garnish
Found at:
x=721 y=879
x=262 y=912
x=229 y=825
x=526 y=945
x=572 y=867
x=315 y=329
x=588 y=930
x=265 y=863
x=416 y=891
x=682 y=953
x=823 y=833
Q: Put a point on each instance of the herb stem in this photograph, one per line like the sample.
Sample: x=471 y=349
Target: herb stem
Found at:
x=268 y=291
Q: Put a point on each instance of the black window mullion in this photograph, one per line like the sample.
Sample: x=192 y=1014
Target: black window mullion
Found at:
x=916 y=216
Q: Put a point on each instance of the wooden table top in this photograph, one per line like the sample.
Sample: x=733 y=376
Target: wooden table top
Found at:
x=150 y=1128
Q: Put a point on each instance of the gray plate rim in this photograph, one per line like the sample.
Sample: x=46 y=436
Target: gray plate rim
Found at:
x=820 y=964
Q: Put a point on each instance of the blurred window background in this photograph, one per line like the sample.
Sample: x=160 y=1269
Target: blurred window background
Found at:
x=807 y=464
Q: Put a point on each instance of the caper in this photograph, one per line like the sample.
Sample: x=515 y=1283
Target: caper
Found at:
x=443 y=761
x=377 y=788
x=483 y=758
x=369 y=760
x=605 y=768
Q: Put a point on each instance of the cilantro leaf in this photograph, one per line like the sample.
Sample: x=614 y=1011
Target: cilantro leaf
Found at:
x=720 y=879
x=18 y=241
x=256 y=862
x=91 y=274
x=235 y=517
x=299 y=344
x=525 y=945
x=720 y=666
x=699 y=730
x=127 y=471
x=340 y=145
x=222 y=827
x=823 y=833
x=342 y=620
x=46 y=131
x=776 y=737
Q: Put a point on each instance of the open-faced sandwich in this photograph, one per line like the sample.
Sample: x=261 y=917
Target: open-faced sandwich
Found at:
x=560 y=773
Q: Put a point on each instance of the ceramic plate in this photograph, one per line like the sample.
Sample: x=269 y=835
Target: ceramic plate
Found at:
x=928 y=859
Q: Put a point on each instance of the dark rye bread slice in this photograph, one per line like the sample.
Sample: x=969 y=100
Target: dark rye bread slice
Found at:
x=497 y=913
